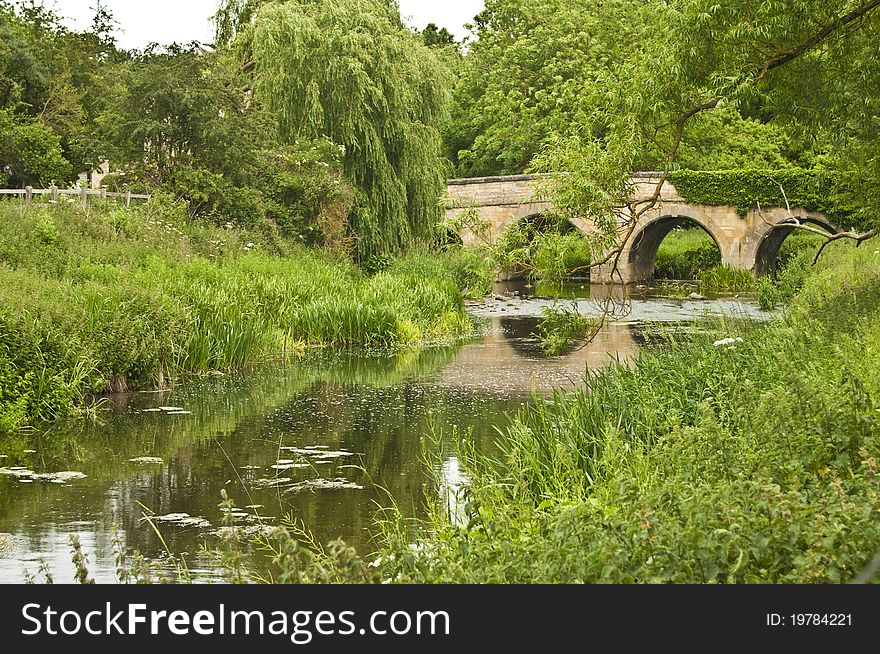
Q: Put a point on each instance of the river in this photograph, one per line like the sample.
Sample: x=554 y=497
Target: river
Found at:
x=327 y=440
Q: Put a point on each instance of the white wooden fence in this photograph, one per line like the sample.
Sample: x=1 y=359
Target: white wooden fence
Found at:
x=55 y=193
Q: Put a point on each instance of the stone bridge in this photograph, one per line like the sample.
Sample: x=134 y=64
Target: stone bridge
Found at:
x=751 y=243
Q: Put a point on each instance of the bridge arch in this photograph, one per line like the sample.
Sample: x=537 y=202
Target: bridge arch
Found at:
x=646 y=242
x=769 y=245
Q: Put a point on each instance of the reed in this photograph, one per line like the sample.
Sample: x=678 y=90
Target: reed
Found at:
x=119 y=299
x=751 y=462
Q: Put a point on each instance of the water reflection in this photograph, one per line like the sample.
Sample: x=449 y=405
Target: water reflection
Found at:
x=375 y=411
x=510 y=360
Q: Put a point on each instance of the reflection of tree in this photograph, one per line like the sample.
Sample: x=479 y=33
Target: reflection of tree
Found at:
x=521 y=334
x=363 y=404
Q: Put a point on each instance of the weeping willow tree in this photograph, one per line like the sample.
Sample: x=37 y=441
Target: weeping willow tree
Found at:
x=349 y=70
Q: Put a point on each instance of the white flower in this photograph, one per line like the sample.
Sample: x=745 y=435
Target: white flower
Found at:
x=727 y=341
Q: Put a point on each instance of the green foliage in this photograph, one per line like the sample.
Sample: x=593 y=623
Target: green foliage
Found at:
x=684 y=253
x=54 y=81
x=725 y=278
x=726 y=140
x=183 y=122
x=30 y=154
x=350 y=71
x=547 y=246
x=561 y=326
x=534 y=69
x=751 y=463
x=111 y=299
x=796 y=267
x=775 y=62
x=750 y=189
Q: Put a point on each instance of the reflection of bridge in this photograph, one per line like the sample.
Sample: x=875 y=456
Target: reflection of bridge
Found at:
x=508 y=362
x=750 y=243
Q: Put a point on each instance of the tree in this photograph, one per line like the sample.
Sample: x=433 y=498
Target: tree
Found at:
x=30 y=154
x=438 y=36
x=351 y=71
x=813 y=64
x=55 y=76
x=540 y=69
x=183 y=120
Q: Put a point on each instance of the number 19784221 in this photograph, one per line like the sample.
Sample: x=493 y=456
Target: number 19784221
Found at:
x=809 y=620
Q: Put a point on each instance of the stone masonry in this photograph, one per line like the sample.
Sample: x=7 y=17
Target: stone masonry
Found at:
x=750 y=243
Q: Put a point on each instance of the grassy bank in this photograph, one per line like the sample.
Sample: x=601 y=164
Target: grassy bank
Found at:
x=104 y=298
x=690 y=253
x=751 y=462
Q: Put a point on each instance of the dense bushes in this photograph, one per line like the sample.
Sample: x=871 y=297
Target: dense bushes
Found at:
x=108 y=299
x=752 y=462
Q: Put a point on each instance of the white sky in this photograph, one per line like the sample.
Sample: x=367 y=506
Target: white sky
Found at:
x=182 y=21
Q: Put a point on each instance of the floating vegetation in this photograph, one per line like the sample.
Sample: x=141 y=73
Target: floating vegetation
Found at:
x=290 y=466
x=179 y=520
x=59 y=477
x=151 y=460
x=275 y=482
x=168 y=410
x=242 y=531
x=323 y=484
x=321 y=454
x=29 y=476
x=290 y=486
x=16 y=472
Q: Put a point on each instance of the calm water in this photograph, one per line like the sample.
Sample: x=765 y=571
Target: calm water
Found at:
x=354 y=423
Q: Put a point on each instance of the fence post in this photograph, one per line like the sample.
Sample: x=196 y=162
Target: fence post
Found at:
x=28 y=194
x=84 y=196
x=103 y=193
x=127 y=199
x=54 y=190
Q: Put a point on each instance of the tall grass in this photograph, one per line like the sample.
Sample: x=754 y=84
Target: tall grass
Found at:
x=725 y=278
x=107 y=299
x=750 y=462
x=685 y=252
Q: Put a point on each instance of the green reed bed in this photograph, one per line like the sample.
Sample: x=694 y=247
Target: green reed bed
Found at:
x=725 y=278
x=107 y=299
x=751 y=461
x=684 y=253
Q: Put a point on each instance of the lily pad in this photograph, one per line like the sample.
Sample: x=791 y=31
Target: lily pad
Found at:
x=16 y=472
x=154 y=460
x=323 y=484
x=291 y=466
x=179 y=520
x=320 y=454
x=243 y=531
x=59 y=477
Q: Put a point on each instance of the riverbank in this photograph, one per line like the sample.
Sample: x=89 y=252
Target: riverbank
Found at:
x=751 y=461
x=104 y=298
